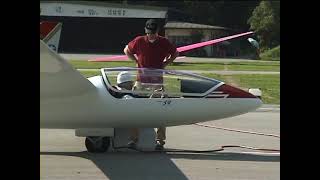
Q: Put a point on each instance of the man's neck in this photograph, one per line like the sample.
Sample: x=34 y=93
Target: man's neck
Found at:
x=153 y=39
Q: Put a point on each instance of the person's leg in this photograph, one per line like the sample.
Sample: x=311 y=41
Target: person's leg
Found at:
x=134 y=137
x=161 y=134
x=161 y=137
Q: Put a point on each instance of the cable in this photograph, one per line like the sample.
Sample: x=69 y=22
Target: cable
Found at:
x=197 y=151
x=222 y=148
x=235 y=130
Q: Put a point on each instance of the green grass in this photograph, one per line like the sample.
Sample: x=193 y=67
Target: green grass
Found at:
x=195 y=66
x=236 y=66
x=90 y=73
x=268 y=83
x=214 y=76
x=271 y=55
x=79 y=64
x=244 y=66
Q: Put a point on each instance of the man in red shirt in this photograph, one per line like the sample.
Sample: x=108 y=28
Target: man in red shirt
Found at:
x=152 y=51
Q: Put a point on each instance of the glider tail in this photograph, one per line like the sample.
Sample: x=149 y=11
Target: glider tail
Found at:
x=50 y=34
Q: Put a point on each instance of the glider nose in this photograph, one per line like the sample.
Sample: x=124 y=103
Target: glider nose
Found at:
x=252 y=101
x=234 y=92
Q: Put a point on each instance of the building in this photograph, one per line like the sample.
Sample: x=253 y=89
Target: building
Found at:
x=184 y=33
x=98 y=27
x=106 y=28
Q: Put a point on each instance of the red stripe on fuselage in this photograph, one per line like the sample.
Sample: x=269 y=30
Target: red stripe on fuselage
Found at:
x=234 y=92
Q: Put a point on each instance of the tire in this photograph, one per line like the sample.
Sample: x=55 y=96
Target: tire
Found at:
x=101 y=145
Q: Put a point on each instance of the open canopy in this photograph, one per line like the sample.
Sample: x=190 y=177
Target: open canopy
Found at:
x=172 y=83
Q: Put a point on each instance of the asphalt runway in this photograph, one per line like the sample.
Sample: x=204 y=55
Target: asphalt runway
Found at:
x=64 y=156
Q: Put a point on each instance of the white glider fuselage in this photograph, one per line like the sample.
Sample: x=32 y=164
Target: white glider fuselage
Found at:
x=102 y=110
x=70 y=101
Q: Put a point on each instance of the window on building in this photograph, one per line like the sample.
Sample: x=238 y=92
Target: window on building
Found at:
x=180 y=40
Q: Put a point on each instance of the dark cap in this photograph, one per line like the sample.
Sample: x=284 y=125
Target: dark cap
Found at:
x=151 y=26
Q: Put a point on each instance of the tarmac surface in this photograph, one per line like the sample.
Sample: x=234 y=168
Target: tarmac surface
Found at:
x=64 y=156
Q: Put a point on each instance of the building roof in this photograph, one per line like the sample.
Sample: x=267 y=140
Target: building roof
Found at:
x=186 y=25
x=116 y=5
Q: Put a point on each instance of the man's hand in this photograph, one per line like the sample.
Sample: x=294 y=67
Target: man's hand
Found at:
x=170 y=58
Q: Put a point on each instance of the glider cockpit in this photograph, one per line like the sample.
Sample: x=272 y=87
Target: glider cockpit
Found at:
x=168 y=83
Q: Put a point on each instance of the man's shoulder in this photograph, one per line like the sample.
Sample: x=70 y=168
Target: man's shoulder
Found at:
x=139 y=38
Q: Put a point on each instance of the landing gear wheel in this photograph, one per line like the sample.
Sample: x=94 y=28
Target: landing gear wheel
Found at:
x=96 y=144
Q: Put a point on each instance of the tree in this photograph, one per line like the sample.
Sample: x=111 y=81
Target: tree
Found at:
x=265 y=21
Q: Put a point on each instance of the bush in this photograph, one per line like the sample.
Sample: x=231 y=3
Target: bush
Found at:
x=271 y=54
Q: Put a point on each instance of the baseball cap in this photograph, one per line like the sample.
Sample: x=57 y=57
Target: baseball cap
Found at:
x=124 y=76
x=151 y=26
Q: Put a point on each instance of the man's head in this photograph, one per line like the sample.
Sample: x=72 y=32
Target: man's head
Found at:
x=151 y=29
x=125 y=80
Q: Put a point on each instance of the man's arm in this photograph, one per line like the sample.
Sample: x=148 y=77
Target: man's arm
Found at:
x=170 y=59
x=129 y=54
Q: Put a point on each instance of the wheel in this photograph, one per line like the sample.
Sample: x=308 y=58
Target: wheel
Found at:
x=96 y=144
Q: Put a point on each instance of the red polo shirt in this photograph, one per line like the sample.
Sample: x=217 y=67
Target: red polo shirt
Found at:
x=151 y=55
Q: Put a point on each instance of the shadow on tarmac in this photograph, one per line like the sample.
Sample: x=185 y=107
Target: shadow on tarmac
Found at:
x=157 y=165
x=133 y=166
